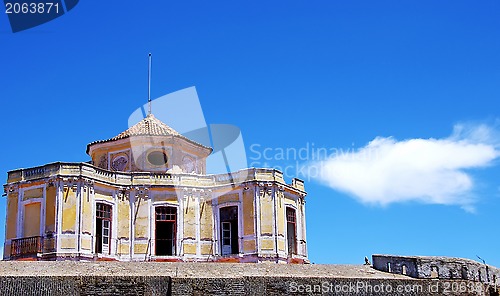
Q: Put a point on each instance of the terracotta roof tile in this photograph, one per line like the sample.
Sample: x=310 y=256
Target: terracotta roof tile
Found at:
x=149 y=126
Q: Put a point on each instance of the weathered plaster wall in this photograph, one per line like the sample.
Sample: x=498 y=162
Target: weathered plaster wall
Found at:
x=123 y=234
x=69 y=210
x=50 y=209
x=31 y=221
x=267 y=223
x=87 y=221
x=249 y=231
x=141 y=224
x=11 y=221
x=189 y=221
x=280 y=212
x=12 y=204
x=206 y=227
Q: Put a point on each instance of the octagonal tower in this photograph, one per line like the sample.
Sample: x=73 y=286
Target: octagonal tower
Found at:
x=150 y=146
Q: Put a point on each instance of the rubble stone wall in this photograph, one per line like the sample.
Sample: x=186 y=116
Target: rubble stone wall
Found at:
x=428 y=267
x=245 y=285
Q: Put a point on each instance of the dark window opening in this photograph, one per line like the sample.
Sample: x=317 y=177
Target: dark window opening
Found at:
x=229 y=230
x=291 y=230
x=165 y=231
x=157 y=158
x=493 y=291
x=103 y=228
x=465 y=273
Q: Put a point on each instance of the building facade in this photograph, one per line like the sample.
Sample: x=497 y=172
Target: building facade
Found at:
x=145 y=196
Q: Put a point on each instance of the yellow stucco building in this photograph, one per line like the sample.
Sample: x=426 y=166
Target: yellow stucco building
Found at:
x=145 y=196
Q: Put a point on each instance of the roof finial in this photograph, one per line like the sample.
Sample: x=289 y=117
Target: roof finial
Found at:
x=149 y=84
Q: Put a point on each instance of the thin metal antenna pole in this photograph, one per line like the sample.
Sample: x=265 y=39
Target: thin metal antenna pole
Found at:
x=149 y=84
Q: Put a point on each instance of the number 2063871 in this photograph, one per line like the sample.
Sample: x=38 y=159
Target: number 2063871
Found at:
x=31 y=8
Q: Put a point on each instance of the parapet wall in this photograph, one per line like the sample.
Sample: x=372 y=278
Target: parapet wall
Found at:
x=152 y=279
x=271 y=285
x=428 y=267
x=85 y=285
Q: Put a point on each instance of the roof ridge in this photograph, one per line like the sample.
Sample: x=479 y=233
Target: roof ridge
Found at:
x=148 y=126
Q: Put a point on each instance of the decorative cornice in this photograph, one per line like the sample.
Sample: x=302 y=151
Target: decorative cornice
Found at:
x=90 y=175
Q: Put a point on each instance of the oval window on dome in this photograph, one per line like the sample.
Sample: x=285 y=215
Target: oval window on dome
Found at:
x=157 y=158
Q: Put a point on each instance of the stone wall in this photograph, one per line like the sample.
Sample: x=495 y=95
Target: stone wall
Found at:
x=85 y=285
x=427 y=267
x=67 y=278
x=321 y=286
x=261 y=285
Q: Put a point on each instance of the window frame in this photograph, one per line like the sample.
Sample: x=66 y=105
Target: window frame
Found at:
x=288 y=219
x=168 y=218
x=105 y=205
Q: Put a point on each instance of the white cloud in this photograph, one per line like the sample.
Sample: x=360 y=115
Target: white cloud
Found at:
x=431 y=171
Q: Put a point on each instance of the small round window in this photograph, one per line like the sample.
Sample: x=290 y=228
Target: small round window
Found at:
x=157 y=158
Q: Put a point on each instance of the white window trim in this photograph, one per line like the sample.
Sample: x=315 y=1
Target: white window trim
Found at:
x=21 y=207
x=113 y=237
x=127 y=151
x=152 y=237
x=297 y=228
x=217 y=226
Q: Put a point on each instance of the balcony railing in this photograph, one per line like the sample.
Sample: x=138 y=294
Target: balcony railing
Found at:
x=89 y=171
x=26 y=246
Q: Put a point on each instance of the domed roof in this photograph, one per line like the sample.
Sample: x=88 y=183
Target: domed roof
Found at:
x=149 y=126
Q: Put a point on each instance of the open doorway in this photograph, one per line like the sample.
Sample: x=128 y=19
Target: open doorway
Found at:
x=165 y=231
x=229 y=230
x=103 y=228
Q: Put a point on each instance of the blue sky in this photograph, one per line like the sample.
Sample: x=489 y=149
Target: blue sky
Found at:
x=338 y=74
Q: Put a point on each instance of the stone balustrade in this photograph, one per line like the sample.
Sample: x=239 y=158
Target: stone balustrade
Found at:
x=89 y=171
